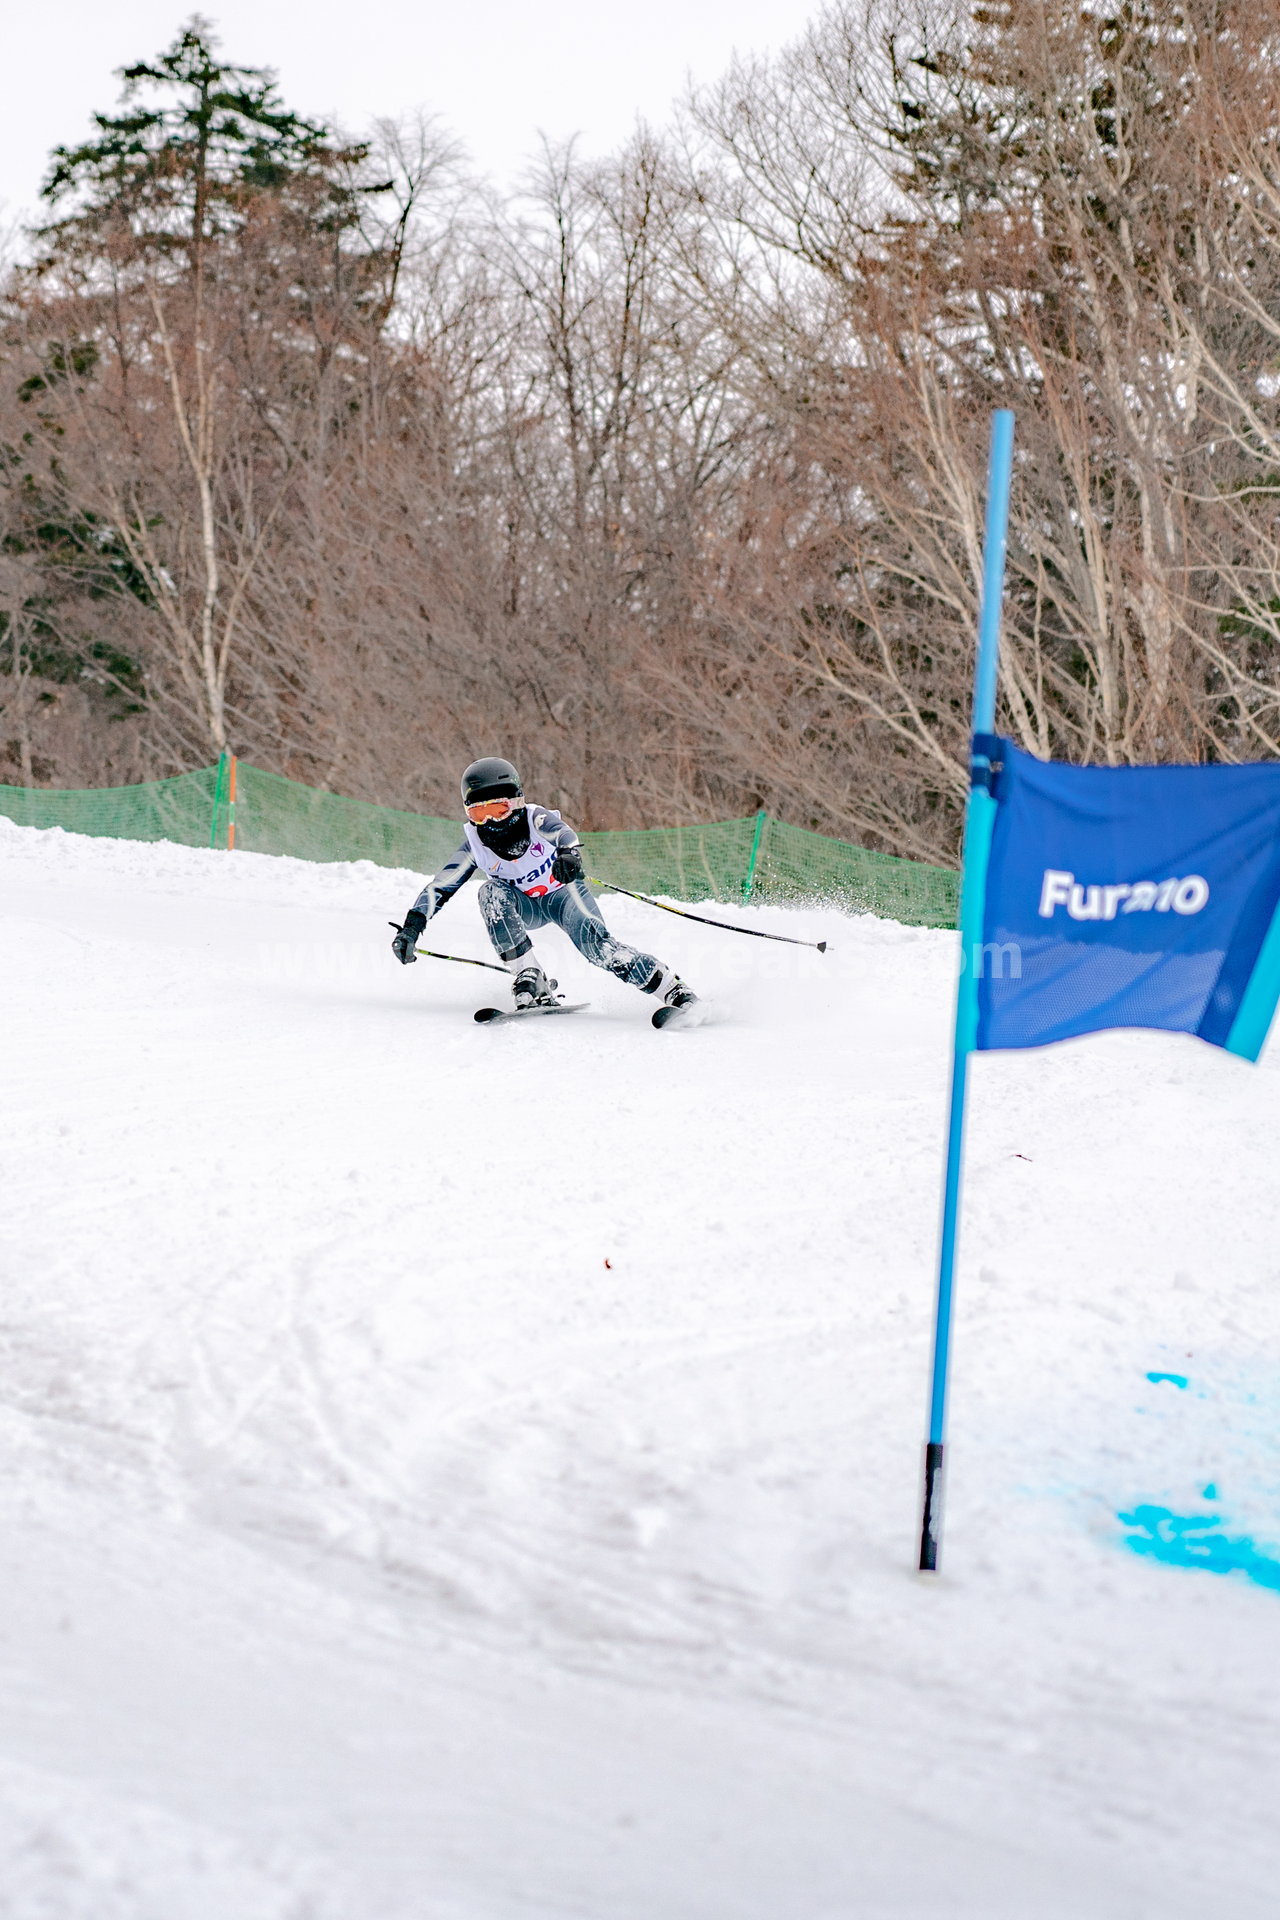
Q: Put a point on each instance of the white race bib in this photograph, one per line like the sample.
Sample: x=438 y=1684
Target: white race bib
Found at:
x=531 y=873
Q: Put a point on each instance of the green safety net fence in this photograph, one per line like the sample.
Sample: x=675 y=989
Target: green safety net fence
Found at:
x=180 y=809
x=758 y=858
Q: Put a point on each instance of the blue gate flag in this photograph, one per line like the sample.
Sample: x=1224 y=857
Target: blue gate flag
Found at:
x=1127 y=897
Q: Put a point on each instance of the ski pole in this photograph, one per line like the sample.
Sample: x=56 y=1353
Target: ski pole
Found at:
x=725 y=926
x=426 y=954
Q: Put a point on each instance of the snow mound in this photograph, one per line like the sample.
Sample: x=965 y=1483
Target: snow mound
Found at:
x=69 y=1852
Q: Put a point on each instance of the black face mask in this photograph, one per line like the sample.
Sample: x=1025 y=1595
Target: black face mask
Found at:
x=507 y=838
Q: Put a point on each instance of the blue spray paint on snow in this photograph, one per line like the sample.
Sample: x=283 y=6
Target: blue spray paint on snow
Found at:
x=1209 y=1425
x=1197 y=1540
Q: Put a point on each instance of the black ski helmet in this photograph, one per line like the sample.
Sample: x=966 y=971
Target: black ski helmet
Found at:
x=490 y=779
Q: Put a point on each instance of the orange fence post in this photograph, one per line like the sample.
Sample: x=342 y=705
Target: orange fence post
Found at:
x=231 y=807
x=218 y=778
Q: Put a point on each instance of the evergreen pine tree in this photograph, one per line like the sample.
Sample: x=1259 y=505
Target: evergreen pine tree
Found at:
x=196 y=142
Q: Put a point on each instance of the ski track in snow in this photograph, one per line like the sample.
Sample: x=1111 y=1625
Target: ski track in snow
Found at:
x=471 y=1474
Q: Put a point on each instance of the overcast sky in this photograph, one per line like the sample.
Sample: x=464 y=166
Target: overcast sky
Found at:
x=498 y=72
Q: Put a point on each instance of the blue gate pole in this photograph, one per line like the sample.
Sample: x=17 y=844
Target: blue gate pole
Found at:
x=978 y=824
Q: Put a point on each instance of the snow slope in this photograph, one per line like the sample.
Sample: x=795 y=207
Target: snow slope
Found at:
x=471 y=1474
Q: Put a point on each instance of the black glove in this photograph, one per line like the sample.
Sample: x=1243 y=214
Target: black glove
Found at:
x=407 y=936
x=567 y=866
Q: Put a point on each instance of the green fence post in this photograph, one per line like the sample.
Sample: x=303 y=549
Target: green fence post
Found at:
x=218 y=789
x=750 y=880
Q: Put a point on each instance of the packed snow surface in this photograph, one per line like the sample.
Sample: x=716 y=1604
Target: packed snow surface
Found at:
x=459 y=1473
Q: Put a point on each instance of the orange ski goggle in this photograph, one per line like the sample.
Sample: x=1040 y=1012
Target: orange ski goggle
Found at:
x=492 y=809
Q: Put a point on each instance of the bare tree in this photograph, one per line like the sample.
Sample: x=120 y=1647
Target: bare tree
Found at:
x=668 y=479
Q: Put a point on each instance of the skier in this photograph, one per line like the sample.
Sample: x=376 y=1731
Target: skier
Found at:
x=533 y=875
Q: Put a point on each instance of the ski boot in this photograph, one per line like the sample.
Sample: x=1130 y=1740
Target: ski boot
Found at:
x=675 y=996
x=531 y=988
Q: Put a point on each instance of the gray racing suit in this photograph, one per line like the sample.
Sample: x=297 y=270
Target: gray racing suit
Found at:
x=518 y=896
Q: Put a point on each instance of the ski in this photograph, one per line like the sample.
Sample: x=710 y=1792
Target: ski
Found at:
x=486 y=1016
x=690 y=1014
